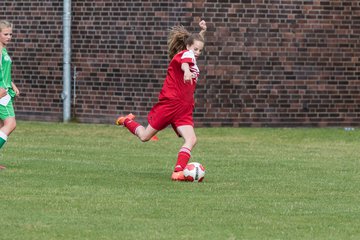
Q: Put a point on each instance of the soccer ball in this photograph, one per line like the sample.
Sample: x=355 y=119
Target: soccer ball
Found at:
x=194 y=172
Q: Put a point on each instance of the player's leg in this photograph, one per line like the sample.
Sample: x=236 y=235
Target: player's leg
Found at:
x=7 y=115
x=3 y=138
x=9 y=125
x=188 y=133
x=184 y=154
x=144 y=134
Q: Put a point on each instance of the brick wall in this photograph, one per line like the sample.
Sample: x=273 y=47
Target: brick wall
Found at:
x=266 y=62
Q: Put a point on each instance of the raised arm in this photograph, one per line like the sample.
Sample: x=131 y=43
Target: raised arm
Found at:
x=203 y=27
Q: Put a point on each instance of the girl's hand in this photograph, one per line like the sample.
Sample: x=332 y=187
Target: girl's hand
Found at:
x=2 y=92
x=188 y=77
x=202 y=25
x=16 y=90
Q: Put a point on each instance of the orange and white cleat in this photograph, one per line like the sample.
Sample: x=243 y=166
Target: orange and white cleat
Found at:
x=178 y=176
x=2 y=167
x=120 y=120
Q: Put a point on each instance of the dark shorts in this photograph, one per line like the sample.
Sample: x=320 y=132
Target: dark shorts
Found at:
x=172 y=113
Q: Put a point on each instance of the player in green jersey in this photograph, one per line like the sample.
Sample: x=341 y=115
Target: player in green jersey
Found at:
x=8 y=89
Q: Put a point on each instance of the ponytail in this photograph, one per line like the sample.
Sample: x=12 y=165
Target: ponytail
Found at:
x=176 y=40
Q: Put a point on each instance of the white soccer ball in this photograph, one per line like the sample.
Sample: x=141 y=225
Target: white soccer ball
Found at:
x=194 y=172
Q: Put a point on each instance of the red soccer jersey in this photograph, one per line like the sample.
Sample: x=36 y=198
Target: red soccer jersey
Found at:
x=174 y=87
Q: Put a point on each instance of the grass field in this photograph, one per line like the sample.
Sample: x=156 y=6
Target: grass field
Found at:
x=81 y=181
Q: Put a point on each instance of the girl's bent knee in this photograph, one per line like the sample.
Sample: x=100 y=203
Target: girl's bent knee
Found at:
x=144 y=139
x=191 y=141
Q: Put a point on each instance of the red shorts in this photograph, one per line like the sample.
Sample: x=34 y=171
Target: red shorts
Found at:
x=168 y=112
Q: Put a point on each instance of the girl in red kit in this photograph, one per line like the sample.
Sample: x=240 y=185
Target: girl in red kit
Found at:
x=176 y=99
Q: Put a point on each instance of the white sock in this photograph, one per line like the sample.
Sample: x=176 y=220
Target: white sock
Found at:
x=3 y=135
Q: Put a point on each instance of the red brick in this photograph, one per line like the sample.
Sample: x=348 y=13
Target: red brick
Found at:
x=266 y=63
